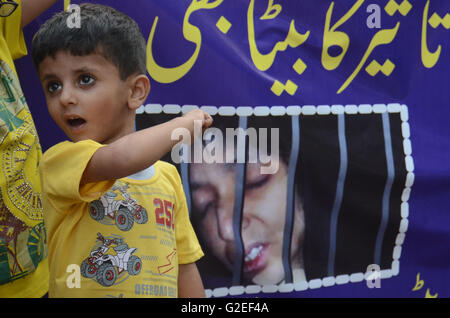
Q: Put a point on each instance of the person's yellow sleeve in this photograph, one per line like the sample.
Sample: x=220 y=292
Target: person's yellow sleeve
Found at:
x=12 y=41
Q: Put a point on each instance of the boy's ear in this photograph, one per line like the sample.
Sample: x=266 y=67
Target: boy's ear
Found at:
x=139 y=88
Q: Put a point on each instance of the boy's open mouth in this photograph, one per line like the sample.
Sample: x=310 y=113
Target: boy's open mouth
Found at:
x=76 y=122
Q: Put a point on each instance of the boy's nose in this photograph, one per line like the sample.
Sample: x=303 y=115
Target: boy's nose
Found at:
x=67 y=97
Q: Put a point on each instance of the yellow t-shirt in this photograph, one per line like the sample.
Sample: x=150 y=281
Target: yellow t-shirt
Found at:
x=22 y=233
x=122 y=238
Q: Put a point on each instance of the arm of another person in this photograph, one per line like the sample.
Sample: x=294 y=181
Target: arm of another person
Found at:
x=31 y=9
x=190 y=284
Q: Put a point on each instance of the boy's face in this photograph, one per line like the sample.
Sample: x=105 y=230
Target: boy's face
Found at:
x=86 y=97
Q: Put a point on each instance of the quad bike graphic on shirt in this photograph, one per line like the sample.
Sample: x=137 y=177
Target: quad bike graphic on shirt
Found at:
x=123 y=212
x=106 y=268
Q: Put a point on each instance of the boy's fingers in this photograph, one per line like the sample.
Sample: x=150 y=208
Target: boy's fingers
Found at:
x=207 y=120
x=208 y=117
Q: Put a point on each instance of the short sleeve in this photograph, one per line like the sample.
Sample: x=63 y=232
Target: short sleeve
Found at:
x=188 y=247
x=12 y=41
x=62 y=167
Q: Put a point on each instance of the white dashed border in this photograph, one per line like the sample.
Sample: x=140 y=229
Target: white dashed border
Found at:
x=313 y=110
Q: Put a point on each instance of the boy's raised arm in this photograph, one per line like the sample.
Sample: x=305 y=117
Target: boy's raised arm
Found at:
x=31 y=9
x=139 y=150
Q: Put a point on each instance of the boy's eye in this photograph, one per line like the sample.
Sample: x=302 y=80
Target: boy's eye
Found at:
x=86 y=79
x=53 y=87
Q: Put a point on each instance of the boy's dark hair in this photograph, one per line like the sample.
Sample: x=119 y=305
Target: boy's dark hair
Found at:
x=103 y=30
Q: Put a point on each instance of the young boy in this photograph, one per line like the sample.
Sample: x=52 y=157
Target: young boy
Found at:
x=128 y=233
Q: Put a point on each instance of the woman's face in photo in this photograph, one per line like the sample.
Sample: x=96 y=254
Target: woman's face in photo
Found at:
x=263 y=218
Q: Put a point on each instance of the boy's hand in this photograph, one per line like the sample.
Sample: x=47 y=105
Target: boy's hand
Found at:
x=198 y=114
x=190 y=284
x=199 y=118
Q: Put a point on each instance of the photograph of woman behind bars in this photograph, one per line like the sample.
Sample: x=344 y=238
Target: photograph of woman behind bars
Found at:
x=263 y=212
x=332 y=208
